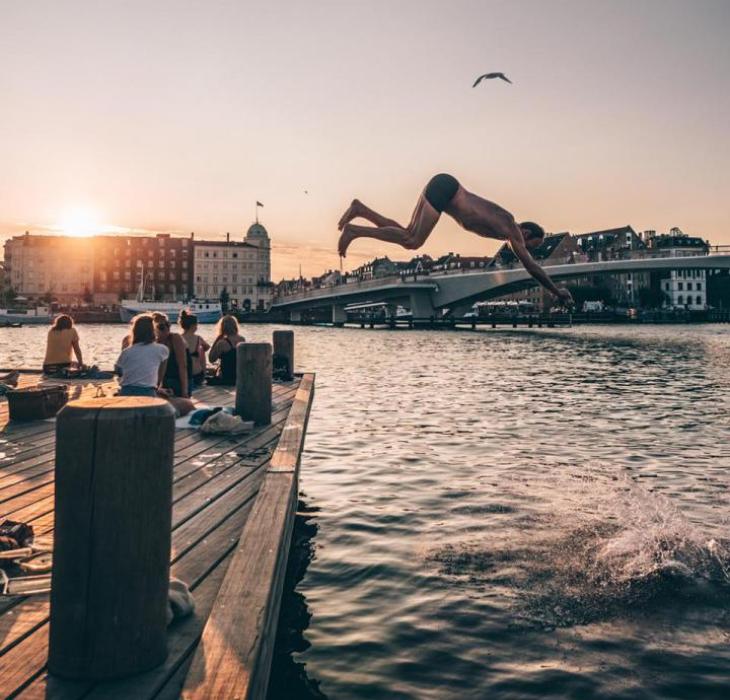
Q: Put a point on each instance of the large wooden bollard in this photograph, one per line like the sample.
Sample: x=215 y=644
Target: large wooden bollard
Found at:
x=284 y=349
x=111 y=555
x=253 y=382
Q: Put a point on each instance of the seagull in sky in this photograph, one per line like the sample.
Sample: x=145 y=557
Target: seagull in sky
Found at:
x=489 y=76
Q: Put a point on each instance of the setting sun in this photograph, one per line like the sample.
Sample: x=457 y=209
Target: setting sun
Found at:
x=80 y=222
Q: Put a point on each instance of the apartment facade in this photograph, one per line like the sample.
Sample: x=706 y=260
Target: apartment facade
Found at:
x=240 y=268
x=621 y=243
x=683 y=288
x=162 y=263
x=61 y=267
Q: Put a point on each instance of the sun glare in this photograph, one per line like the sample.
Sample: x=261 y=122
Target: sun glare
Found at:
x=79 y=222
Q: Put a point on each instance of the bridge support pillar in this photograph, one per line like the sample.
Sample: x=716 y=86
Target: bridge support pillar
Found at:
x=339 y=315
x=422 y=308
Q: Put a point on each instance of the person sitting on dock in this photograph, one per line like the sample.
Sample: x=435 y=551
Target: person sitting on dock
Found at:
x=443 y=193
x=224 y=350
x=178 y=376
x=63 y=340
x=142 y=365
x=196 y=345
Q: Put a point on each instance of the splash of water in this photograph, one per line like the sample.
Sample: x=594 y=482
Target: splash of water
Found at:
x=605 y=546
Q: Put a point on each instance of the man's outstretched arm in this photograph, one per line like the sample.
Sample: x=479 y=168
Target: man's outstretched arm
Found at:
x=517 y=243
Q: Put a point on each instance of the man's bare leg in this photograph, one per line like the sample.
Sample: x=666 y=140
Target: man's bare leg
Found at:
x=422 y=223
x=358 y=209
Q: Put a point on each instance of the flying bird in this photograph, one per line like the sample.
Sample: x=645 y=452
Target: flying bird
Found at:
x=489 y=76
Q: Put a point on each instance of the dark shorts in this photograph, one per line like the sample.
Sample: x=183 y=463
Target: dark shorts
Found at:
x=440 y=190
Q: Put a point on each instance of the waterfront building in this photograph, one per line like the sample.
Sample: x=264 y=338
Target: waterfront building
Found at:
x=122 y=263
x=50 y=267
x=376 y=269
x=682 y=288
x=418 y=265
x=240 y=269
x=621 y=243
x=556 y=249
x=456 y=262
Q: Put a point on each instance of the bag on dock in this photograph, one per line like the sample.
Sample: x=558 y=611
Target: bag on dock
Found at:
x=36 y=402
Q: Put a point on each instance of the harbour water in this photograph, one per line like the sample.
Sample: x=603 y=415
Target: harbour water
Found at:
x=506 y=514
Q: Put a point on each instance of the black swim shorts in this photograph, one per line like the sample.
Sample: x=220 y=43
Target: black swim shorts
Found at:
x=440 y=190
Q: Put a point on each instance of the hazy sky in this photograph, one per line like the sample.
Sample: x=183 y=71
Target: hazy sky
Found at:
x=178 y=115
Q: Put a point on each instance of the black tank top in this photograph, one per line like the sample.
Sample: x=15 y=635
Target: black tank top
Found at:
x=228 y=364
x=172 y=372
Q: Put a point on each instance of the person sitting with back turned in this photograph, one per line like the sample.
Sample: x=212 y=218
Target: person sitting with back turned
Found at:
x=63 y=340
x=197 y=347
x=142 y=365
x=178 y=371
x=443 y=193
x=224 y=350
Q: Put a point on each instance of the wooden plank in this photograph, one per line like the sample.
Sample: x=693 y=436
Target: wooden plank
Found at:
x=205 y=565
x=234 y=658
x=237 y=640
x=289 y=449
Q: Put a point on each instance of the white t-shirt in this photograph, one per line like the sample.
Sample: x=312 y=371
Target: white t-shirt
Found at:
x=140 y=363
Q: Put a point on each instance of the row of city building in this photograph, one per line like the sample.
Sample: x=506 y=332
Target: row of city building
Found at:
x=106 y=269
x=670 y=288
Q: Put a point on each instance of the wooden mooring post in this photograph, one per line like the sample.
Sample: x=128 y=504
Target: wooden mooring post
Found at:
x=253 y=382
x=284 y=349
x=111 y=556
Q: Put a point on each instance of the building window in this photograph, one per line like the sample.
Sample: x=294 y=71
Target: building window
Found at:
x=689 y=286
x=698 y=301
x=680 y=299
x=680 y=287
x=699 y=286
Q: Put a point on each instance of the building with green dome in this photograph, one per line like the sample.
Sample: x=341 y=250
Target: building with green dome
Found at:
x=241 y=269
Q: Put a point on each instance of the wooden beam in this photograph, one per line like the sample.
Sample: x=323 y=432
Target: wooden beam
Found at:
x=233 y=659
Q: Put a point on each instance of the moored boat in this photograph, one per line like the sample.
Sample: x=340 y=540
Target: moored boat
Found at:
x=206 y=311
x=40 y=315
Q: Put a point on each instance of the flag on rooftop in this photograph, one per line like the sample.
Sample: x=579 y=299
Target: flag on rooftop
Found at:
x=258 y=204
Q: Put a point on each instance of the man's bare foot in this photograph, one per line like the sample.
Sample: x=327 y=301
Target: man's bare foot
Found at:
x=346 y=238
x=353 y=211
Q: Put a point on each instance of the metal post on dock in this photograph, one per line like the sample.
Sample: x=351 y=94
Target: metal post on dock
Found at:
x=111 y=556
x=284 y=348
x=253 y=382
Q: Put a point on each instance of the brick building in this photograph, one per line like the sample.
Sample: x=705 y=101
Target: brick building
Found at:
x=122 y=262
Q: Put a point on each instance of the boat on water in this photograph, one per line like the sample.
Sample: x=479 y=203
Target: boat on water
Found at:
x=207 y=311
x=41 y=315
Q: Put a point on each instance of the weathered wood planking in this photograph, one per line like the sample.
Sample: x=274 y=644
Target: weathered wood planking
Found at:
x=216 y=485
x=234 y=658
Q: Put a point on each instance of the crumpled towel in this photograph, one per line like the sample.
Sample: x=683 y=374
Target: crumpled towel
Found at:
x=180 y=601
x=223 y=423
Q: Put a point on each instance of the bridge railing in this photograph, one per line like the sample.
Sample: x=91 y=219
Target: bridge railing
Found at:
x=345 y=287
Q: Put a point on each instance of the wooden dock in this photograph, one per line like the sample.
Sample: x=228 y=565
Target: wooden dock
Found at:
x=233 y=507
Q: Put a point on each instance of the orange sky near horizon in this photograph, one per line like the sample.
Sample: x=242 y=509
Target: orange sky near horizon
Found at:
x=177 y=115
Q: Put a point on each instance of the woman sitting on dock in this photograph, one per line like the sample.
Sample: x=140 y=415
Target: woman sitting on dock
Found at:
x=224 y=349
x=63 y=340
x=178 y=375
x=142 y=365
x=197 y=347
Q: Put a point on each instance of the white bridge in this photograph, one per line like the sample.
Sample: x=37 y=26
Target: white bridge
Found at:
x=424 y=294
